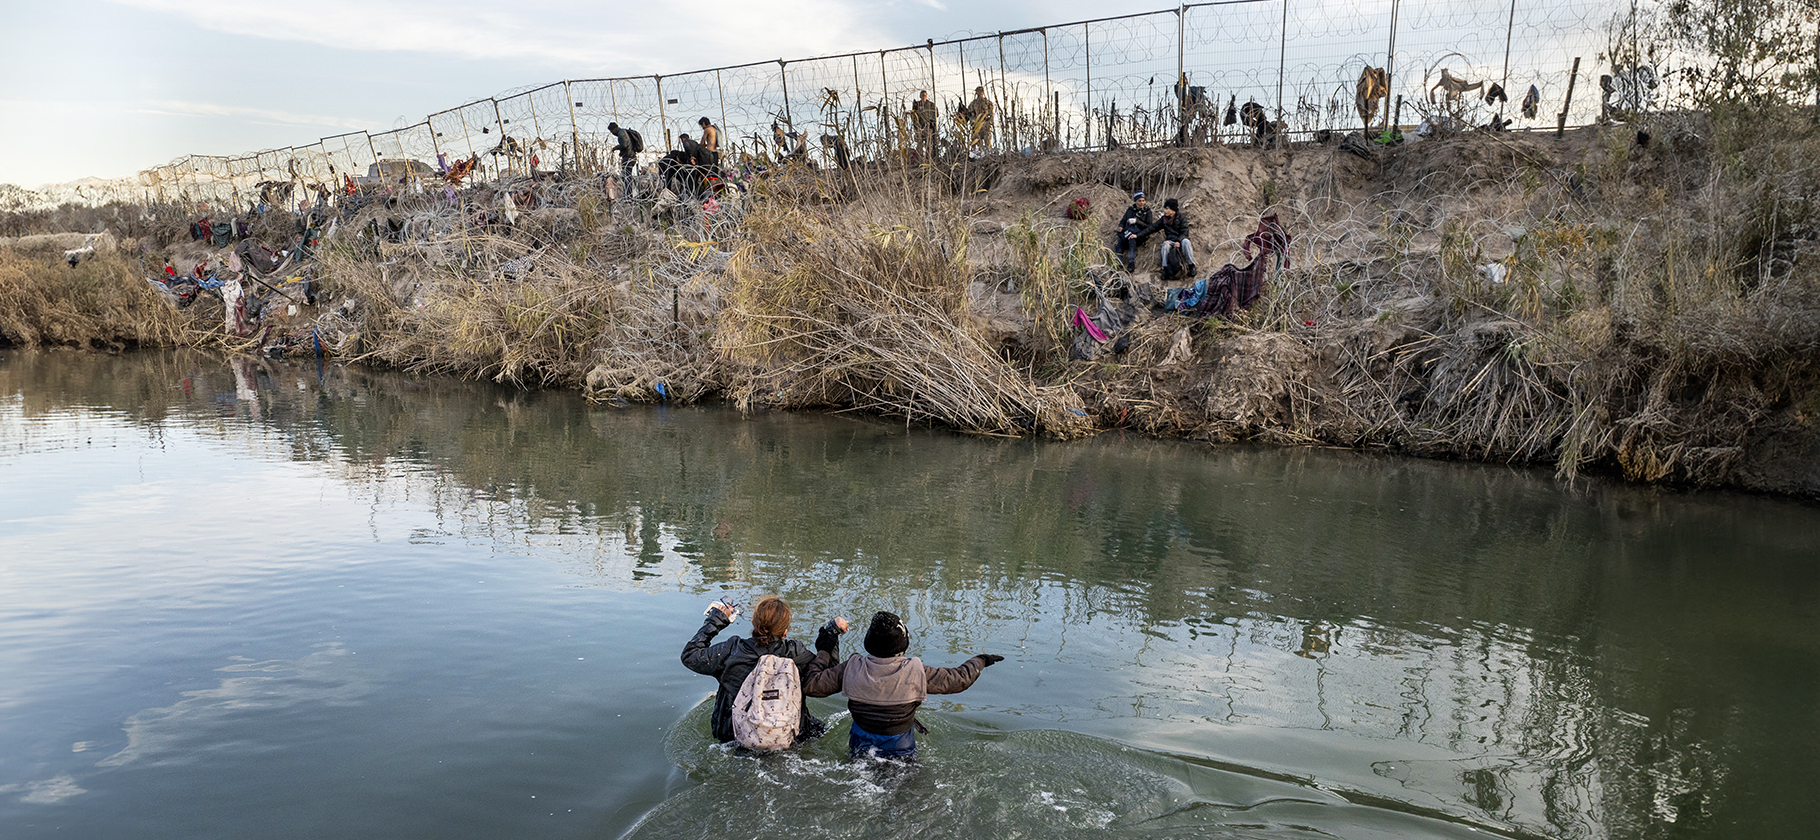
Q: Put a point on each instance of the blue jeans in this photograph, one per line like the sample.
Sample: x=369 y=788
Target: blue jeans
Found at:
x=862 y=744
x=1127 y=248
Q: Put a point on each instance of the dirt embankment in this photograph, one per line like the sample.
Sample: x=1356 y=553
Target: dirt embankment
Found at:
x=1595 y=302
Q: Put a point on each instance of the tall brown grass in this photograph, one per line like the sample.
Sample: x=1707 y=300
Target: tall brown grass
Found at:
x=100 y=303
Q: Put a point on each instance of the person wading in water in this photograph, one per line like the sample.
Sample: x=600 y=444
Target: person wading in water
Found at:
x=884 y=687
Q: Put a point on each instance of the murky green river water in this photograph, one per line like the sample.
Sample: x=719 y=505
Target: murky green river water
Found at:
x=250 y=599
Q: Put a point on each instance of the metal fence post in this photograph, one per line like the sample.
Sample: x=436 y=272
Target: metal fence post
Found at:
x=663 y=115
x=1282 y=56
x=1390 y=61
x=1181 y=55
x=933 y=91
x=1051 y=97
x=783 y=74
x=1087 y=43
x=1004 y=92
x=859 y=98
x=721 y=92
x=568 y=96
x=1509 y=29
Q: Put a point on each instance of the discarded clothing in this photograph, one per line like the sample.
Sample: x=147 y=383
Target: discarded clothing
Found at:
x=1232 y=288
x=1081 y=319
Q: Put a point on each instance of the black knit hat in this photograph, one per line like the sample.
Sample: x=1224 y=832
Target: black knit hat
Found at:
x=887 y=636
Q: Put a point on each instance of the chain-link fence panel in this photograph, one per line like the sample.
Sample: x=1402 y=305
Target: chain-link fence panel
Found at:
x=1544 y=43
x=822 y=106
x=1233 y=55
x=905 y=76
x=688 y=97
x=1336 y=69
x=752 y=96
x=1023 y=110
x=1134 y=63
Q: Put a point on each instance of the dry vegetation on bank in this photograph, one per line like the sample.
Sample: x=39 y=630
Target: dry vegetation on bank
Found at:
x=1658 y=314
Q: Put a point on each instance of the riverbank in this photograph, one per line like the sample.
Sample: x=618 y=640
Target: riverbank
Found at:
x=1645 y=305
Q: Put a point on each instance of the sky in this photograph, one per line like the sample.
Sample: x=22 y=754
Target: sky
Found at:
x=91 y=88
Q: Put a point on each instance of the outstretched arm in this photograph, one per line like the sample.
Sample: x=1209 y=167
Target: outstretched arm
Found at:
x=959 y=678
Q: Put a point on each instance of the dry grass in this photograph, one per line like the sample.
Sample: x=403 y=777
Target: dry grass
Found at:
x=1660 y=307
x=862 y=308
x=100 y=303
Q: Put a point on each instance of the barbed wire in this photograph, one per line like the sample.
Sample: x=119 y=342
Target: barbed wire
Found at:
x=1176 y=76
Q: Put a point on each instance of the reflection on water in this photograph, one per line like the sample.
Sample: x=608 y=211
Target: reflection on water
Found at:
x=1201 y=642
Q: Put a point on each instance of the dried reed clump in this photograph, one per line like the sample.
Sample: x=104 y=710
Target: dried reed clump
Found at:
x=537 y=322
x=861 y=307
x=98 y=303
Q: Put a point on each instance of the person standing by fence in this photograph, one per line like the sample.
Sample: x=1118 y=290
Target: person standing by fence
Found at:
x=710 y=144
x=630 y=144
x=922 y=120
x=979 y=118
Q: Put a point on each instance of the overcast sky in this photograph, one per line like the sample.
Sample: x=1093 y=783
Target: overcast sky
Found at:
x=94 y=88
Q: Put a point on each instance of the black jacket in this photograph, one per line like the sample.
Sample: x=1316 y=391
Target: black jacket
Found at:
x=732 y=660
x=1175 y=229
x=1136 y=219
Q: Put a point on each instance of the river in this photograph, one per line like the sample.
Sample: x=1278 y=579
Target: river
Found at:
x=246 y=598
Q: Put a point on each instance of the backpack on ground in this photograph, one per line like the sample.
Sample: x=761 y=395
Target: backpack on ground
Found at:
x=767 y=712
x=635 y=142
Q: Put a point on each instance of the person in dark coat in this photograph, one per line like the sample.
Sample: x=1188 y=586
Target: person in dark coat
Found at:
x=732 y=661
x=1174 y=227
x=884 y=687
x=1137 y=218
x=627 y=150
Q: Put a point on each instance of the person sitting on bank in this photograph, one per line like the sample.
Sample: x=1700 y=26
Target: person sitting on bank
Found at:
x=732 y=661
x=884 y=687
x=1131 y=235
x=1174 y=227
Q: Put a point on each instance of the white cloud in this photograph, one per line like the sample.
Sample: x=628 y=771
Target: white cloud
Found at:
x=263 y=115
x=610 y=38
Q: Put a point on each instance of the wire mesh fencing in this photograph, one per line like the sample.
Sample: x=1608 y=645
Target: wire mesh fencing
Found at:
x=1258 y=72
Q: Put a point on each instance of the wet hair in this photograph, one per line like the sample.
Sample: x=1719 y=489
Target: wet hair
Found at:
x=771 y=618
x=887 y=636
x=704 y=121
